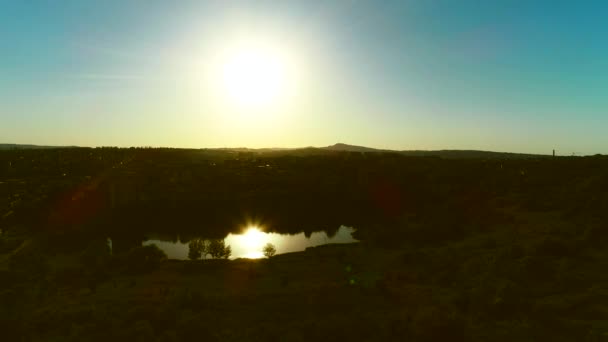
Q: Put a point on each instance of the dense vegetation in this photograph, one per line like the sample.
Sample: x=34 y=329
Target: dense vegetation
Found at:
x=458 y=250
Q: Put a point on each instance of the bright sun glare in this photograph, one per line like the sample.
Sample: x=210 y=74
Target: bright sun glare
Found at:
x=252 y=81
x=253 y=238
x=254 y=77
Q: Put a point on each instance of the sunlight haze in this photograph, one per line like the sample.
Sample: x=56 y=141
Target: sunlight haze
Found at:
x=402 y=75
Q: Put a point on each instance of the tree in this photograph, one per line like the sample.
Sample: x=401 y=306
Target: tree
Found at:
x=219 y=250
x=227 y=252
x=204 y=246
x=194 y=249
x=269 y=250
x=198 y=248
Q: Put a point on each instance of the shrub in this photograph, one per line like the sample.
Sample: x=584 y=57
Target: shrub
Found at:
x=145 y=258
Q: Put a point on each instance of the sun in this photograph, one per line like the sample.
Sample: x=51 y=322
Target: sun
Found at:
x=254 y=77
x=253 y=238
x=248 y=84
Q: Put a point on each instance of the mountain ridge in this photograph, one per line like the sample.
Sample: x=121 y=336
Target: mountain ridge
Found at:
x=446 y=153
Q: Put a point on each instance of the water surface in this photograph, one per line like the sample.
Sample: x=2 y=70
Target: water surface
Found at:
x=250 y=243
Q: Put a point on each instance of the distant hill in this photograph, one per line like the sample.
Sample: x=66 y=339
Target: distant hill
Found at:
x=352 y=148
x=28 y=147
x=447 y=154
x=339 y=147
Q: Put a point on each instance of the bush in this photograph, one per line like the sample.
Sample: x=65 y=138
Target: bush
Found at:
x=145 y=258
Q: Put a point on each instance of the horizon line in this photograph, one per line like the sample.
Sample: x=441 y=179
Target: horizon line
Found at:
x=299 y=148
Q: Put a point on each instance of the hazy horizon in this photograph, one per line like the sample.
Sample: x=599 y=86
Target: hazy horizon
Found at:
x=557 y=153
x=416 y=75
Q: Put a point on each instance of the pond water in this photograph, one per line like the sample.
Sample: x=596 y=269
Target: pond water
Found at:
x=250 y=243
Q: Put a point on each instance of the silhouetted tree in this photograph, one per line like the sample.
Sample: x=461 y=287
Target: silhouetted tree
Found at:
x=227 y=252
x=219 y=250
x=194 y=249
x=269 y=250
x=204 y=247
x=198 y=248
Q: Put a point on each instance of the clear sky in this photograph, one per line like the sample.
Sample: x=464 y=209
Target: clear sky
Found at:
x=519 y=75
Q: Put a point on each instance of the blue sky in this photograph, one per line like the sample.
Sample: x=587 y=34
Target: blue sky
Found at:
x=521 y=76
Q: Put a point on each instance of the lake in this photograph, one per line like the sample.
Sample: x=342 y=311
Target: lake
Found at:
x=250 y=243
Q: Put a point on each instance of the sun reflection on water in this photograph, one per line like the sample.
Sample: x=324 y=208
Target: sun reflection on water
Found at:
x=250 y=243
